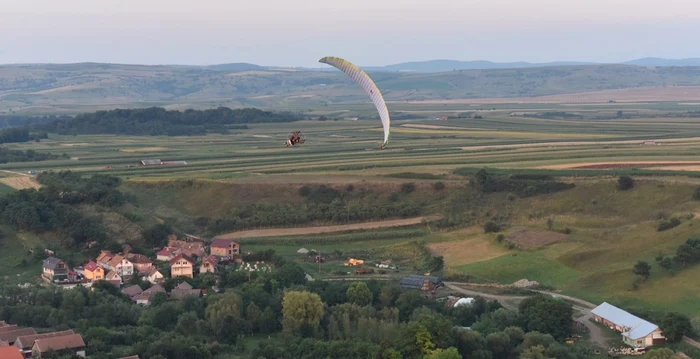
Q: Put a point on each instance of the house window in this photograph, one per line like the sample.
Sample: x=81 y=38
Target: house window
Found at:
x=639 y=342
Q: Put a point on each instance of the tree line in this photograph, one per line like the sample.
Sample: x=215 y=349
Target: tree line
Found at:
x=157 y=121
x=54 y=206
x=8 y=155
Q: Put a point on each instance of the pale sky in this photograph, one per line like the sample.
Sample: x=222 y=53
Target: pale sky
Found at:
x=367 y=32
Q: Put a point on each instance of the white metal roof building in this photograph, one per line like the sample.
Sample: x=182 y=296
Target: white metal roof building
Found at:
x=635 y=331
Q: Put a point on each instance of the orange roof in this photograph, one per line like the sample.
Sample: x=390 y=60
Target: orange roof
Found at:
x=10 y=353
x=115 y=260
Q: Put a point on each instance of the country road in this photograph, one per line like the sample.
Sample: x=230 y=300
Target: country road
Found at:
x=326 y=229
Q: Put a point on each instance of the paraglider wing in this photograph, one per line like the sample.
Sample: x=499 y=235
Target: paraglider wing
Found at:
x=359 y=76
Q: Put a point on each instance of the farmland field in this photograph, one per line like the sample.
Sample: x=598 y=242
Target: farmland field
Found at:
x=587 y=145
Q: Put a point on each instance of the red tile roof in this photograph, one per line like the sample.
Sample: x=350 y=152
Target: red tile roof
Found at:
x=12 y=336
x=27 y=341
x=181 y=256
x=8 y=328
x=91 y=266
x=73 y=341
x=10 y=353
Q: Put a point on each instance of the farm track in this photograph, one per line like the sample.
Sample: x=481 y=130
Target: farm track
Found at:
x=274 y=232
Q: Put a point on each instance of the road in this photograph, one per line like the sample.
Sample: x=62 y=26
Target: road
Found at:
x=326 y=229
x=595 y=332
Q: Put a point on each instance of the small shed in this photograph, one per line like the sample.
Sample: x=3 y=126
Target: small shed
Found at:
x=422 y=282
x=152 y=162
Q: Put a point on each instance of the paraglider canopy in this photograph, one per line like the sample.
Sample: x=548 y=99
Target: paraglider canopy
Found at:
x=359 y=76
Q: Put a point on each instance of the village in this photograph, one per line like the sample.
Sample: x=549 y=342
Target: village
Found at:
x=190 y=256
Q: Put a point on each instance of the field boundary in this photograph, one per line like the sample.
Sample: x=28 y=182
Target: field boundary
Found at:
x=275 y=232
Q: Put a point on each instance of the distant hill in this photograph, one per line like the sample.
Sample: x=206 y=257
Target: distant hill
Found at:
x=87 y=87
x=655 y=61
x=238 y=66
x=450 y=65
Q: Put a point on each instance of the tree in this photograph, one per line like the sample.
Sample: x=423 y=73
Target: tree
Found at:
x=642 y=269
x=158 y=234
x=696 y=194
x=301 y=309
x=252 y=316
x=359 y=294
x=222 y=306
x=666 y=263
x=546 y=315
x=449 y=353
x=675 y=325
x=536 y=352
x=625 y=182
x=661 y=353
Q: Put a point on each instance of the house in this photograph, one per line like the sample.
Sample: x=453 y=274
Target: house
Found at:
x=153 y=275
x=8 y=328
x=636 y=332
x=114 y=278
x=55 y=269
x=183 y=290
x=132 y=291
x=188 y=248
x=11 y=336
x=181 y=265
x=422 y=282
x=208 y=264
x=121 y=265
x=26 y=343
x=224 y=248
x=10 y=352
x=67 y=344
x=145 y=297
x=166 y=254
x=142 y=264
x=103 y=259
x=93 y=272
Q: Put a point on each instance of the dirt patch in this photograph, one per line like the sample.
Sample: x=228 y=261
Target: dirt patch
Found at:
x=526 y=238
x=324 y=229
x=457 y=253
x=23 y=182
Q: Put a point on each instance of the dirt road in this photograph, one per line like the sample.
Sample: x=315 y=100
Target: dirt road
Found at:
x=583 y=306
x=325 y=229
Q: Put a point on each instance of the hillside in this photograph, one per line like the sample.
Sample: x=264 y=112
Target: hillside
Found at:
x=77 y=88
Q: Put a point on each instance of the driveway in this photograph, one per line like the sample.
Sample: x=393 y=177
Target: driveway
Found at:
x=582 y=306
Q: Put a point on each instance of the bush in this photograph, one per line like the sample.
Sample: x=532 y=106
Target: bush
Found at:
x=500 y=238
x=625 y=182
x=696 y=194
x=439 y=186
x=511 y=197
x=304 y=191
x=491 y=227
x=408 y=188
x=668 y=224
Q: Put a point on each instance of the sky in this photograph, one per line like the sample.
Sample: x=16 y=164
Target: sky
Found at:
x=367 y=32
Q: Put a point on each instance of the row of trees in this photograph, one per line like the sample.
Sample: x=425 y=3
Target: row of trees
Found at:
x=523 y=186
x=8 y=155
x=159 y=121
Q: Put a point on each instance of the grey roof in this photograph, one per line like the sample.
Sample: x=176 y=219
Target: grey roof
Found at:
x=184 y=285
x=636 y=327
x=51 y=262
x=132 y=290
x=182 y=293
x=151 y=162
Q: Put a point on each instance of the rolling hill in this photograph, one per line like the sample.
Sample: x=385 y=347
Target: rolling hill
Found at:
x=87 y=87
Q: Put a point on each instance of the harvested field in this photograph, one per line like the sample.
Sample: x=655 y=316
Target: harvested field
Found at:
x=468 y=251
x=526 y=238
x=324 y=229
x=23 y=182
x=638 y=94
x=667 y=165
x=144 y=149
x=438 y=127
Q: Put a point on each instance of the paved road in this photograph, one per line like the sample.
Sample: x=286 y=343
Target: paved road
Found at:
x=596 y=332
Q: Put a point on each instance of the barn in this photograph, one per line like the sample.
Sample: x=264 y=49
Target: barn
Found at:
x=636 y=332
